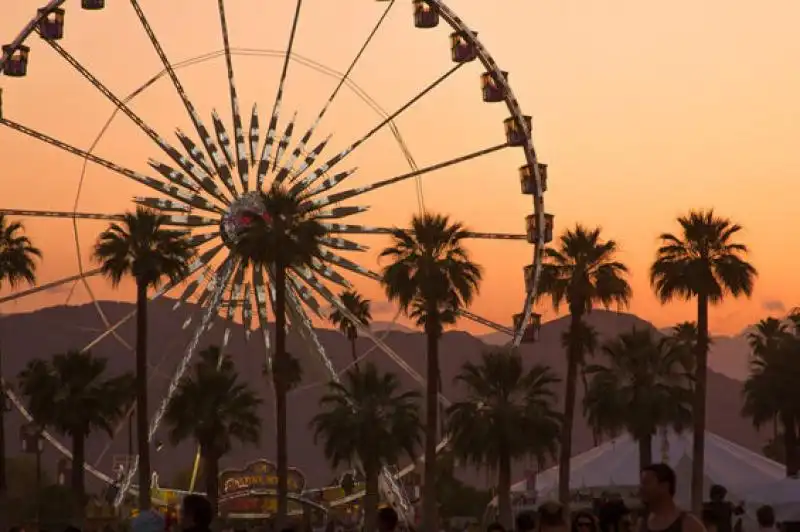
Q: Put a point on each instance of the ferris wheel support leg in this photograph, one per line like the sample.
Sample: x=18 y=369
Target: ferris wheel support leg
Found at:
x=47 y=286
x=301 y=147
x=221 y=281
x=316 y=174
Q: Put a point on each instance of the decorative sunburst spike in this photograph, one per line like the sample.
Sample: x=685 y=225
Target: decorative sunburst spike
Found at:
x=327 y=184
x=339 y=212
x=222 y=137
x=341 y=243
x=161 y=204
x=255 y=136
x=311 y=157
x=284 y=142
x=193 y=151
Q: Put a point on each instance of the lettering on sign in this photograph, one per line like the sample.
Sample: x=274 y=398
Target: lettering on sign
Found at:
x=258 y=475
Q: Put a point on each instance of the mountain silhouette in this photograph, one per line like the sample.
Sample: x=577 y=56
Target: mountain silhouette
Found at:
x=52 y=330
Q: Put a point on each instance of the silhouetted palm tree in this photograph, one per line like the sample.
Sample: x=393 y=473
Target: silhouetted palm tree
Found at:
x=213 y=408
x=367 y=419
x=431 y=277
x=582 y=271
x=642 y=388
x=143 y=248
x=285 y=235
x=705 y=263
x=72 y=394
x=508 y=413
x=18 y=259
x=359 y=308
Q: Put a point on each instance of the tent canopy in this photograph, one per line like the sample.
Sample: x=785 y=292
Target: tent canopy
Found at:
x=616 y=463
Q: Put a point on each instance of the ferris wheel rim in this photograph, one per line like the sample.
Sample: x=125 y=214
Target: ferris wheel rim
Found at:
x=511 y=102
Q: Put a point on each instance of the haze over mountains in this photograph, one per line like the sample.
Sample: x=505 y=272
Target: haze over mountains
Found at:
x=52 y=330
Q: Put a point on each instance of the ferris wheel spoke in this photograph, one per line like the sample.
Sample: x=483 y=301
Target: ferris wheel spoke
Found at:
x=496 y=236
x=61 y=214
x=339 y=212
x=306 y=331
x=308 y=161
x=171 y=190
x=342 y=80
x=325 y=271
x=48 y=286
x=263 y=167
x=241 y=151
x=199 y=175
x=247 y=312
x=342 y=262
x=208 y=184
x=223 y=275
x=342 y=243
x=327 y=184
x=202 y=262
x=487 y=323
x=305 y=295
x=316 y=174
x=222 y=170
x=283 y=144
x=260 y=293
x=161 y=204
x=356 y=229
x=347 y=194
x=189 y=220
x=254 y=135
x=223 y=138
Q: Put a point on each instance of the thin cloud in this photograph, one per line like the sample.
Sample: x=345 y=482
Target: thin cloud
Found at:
x=773 y=305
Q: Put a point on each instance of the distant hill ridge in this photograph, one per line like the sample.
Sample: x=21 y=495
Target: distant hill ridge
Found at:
x=56 y=329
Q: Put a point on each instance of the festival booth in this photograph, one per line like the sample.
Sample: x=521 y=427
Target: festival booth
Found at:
x=613 y=468
x=783 y=495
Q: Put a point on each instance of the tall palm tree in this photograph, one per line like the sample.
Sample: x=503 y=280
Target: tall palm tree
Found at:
x=360 y=309
x=284 y=235
x=431 y=277
x=706 y=263
x=583 y=340
x=684 y=334
x=213 y=408
x=642 y=387
x=508 y=413
x=18 y=261
x=770 y=391
x=367 y=420
x=582 y=271
x=141 y=247
x=72 y=394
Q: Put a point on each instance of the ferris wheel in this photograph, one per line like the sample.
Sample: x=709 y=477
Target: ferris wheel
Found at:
x=209 y=180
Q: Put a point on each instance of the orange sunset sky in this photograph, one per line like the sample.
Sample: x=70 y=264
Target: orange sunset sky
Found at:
x=642 y=110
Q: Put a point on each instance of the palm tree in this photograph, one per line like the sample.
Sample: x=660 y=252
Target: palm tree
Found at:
x=359 y=308
x=585 y=340
x=431 y=277
x=213 y=408
x=367 y=420
x=582 y=271
x=684 y=334
x=141 y=247
x=17 y=265
x=72 y=395
x=770 y=391
x=283 y=236
x=508 y=413
x=642 y=388
x=702 y=262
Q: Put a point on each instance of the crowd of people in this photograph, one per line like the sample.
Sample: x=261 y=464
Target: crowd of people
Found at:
x=658 y=513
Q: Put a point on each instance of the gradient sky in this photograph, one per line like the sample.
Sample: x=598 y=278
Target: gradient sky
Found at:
x=642 y=111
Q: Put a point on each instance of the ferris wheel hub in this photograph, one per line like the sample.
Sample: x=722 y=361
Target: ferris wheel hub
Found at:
x=240 y=215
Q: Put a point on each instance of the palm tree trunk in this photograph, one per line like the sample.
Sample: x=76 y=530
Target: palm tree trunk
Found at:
x=699 y=407
x=569 y=414
x=77 y=480
x=504 y=491
x=645 y=450
x=142 y=441
x=430 y=520
x=279 y=380
x=371 y=497
x=211 y=466
x=790 y=445
x=353 y=351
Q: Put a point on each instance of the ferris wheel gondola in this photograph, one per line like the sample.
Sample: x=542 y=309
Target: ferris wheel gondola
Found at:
x=207 y=187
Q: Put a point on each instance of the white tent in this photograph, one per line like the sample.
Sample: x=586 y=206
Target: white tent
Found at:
x=616 y=463
x=783 y=495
